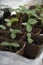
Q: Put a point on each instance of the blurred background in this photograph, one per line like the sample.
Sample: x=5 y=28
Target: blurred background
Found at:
x=16 y=3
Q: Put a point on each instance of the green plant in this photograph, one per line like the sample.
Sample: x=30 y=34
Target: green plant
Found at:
x=29 y=25
x=30 y=22
x=2 y=27
x=29 y=12
x=23 y=10
x=14 y=44
x=10 y=21
x=38 y=7
x=13 y=32
x=40 y=10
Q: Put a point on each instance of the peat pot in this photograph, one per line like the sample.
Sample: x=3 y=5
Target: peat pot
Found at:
x=32 y=50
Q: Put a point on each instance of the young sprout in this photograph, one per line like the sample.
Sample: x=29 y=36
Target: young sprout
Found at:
x=22 y=9
x=38 y=7
x=14 y=44
x=29 y=25
x=14 y=32
x=10 y=21
x=29 y=12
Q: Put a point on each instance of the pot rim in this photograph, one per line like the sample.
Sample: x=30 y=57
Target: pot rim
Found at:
x=36 y=45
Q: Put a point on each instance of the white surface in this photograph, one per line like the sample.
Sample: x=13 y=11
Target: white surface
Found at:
x=16 y=3
x=7 y=58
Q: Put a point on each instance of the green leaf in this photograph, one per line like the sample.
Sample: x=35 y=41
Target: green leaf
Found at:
x=11 y=30
x=8 y=44
x=38 y=6
x=2 y=27
x=32 y=21
x=41 y=15
x=29 y=28
x=37 y=9
x=14 y=19
x=13 y=36
x=5 y=43
x=30 y=40
x=23 y=9
x=36 y=16
x=30 y=12
x=7 y=20
x=29 y=35
x=15 y=31
x=11 y=20
x=15 y=45
x=9 y=24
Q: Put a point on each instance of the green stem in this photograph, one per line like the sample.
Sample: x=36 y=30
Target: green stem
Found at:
x=29 y=16
x=10 y=47
x=16 y=14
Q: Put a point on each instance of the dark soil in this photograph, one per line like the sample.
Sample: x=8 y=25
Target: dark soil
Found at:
x=13 y=49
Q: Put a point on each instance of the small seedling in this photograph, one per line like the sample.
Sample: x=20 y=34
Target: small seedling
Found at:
x=23 y=10
x=38 y=7
x=29 y=25
x=14 y=32
x=10 y=44
x=10 y=21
